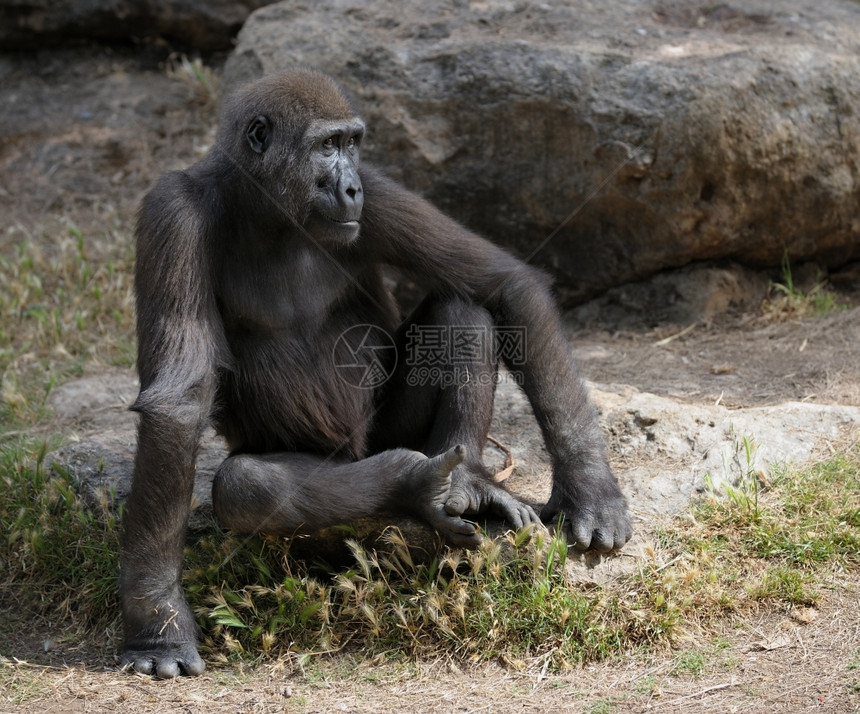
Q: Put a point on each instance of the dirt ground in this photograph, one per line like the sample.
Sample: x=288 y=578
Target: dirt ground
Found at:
x=84 y=132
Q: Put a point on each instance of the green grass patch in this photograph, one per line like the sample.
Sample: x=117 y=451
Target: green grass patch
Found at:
x=690 y=662
x=775 y=543
x=511 y=600
x=798 y=520
x=853 y=683
x=508 y=600
x=57 y=556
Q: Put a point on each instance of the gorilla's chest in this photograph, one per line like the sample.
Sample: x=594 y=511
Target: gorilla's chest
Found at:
x=278 y=291
x=288 y=323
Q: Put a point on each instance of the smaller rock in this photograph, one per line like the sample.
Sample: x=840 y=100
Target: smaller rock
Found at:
x=696 y=293
x=96 y=401
x=671 y=452
x=101 y=469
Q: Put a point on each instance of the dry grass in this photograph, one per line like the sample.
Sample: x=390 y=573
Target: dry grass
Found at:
x=64 y=302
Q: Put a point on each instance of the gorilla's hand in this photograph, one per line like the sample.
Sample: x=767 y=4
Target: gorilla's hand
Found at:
x=160 y=635
x=594 y=513
x=165 y=660
x=473 y=494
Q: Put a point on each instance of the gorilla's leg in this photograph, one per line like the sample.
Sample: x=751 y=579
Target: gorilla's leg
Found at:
x=288 y=493
x=442 y=394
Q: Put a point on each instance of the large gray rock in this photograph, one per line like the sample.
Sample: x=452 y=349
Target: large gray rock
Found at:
x=606 y=141
x=205 y=25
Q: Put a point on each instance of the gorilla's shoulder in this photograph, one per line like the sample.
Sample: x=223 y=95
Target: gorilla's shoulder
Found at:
x=179 y=207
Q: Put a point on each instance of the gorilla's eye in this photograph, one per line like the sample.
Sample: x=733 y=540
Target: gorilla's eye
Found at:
x=329 y=143
x=351 y=142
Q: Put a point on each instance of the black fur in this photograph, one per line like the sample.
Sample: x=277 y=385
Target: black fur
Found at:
x=252 y=266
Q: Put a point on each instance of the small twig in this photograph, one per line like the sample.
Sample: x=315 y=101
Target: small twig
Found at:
x=174 y=613
x=542 y=674
x=706 y=690
x=509 y=461
x=671 y=338
x=15 y=662
x=10 y=434
x=671 y=562
x=653 y=670
x=802 y=644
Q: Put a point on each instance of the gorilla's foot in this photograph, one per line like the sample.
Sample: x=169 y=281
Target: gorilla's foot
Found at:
x=431 y=480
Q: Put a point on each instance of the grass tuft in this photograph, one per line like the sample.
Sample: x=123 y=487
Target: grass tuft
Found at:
x=508 y=599
x=57 y=556
x=787 y=301
x=204 y=80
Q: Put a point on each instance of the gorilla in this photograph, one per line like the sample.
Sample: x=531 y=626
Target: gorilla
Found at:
x=262 y=310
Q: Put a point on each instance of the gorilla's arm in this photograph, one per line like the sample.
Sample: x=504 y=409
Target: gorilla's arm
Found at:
x=178 y=341
x=409 y=233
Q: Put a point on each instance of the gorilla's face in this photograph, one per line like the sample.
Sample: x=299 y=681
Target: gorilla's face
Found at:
x=298 y=136
x=336 y=196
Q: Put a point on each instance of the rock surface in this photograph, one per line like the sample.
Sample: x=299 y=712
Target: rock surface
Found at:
x=194 y=23
x=663 y=452
x=605 y=141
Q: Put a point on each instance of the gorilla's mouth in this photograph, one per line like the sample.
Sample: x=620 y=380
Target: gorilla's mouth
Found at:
x=322 y=225
x=342 y=222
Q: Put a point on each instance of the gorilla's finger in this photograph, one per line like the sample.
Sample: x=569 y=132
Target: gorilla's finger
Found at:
x=192 y=663
x=457 y=503
x=581 y=534
x=144 y=665
x=602 y=540
x=528 y=515
x=446 y=462
x=167 y=669
x=460 y=533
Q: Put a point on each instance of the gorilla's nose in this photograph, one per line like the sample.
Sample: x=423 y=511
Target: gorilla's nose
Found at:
x=351 y=196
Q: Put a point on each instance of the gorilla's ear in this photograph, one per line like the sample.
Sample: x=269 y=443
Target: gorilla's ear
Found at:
x=258 y=134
